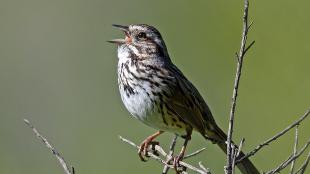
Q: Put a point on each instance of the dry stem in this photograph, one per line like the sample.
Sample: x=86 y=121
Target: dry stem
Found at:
x=243 y=50
x=289 y=160
x=170 y=154
x=267 y=142
x=164 y=154
x=61 y=160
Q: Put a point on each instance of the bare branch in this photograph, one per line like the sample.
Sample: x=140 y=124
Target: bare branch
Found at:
x=295 y=150
x=267 y=142
x=170 y=154
x=152 y=155
x=195 y=153
x=242 y=52
x=289 y=160
x=249 y=46
x=163 y=153
x=61 y=160
x=207 y=170
x=240 y=147
x=304 y=166
x=236 y=154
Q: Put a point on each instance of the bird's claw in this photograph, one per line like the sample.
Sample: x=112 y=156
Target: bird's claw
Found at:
x=176 y=163
x=143 y=150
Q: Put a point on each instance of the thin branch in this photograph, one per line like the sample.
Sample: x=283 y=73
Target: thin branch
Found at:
x=61 y=160
x=304 y=166
x=295 y=150
x=152 y=155
x=289 y=160
x=236 y=154
x=240 y=147
x=249 y=46
x=242 y=51
x=267 y=142
x=195 y=153
x=233 y=166
x=170 y=154
x=163 y=153
x=207 y=170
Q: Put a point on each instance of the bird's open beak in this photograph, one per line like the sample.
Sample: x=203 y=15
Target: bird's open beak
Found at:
x=125 y=29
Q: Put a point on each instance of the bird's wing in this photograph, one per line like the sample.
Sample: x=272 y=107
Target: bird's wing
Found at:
x=189 y=104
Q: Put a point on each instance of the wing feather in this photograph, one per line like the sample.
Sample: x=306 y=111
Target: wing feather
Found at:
x=189 y=104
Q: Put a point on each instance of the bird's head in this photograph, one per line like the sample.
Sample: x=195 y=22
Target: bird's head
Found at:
x=143 y=40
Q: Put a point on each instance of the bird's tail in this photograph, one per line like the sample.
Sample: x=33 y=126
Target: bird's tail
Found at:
x=245 y=166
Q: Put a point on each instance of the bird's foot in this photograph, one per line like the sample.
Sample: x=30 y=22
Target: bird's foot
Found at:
x=143 y=150
x=176 y=163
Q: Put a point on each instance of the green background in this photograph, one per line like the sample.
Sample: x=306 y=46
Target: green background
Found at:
x=58 y=71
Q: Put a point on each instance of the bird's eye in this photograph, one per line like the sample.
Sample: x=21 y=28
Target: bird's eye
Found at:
x=142 y=35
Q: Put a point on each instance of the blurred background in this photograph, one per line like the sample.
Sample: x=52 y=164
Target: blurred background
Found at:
x=58 y=71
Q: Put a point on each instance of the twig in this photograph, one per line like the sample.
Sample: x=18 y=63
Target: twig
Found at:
x=295 y=150
x=152 y=155
x=236 y=154
x=161 y=151
x=207 y=170
x=61 y=160
x=297 y=122
x=250 y=45
x=240 y=147
x=170 y=154
x=240 y=57
x=289 y=160
x=303 y=167
x=195 y=153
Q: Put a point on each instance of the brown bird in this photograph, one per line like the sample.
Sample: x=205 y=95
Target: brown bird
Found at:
x=157 y=93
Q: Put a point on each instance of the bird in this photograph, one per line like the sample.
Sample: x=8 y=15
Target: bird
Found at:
x=158 y=94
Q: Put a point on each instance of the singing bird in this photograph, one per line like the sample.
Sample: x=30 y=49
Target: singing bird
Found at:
x=158 y=94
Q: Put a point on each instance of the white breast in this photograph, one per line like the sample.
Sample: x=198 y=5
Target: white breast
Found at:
x=138 y=103
x=139 y=100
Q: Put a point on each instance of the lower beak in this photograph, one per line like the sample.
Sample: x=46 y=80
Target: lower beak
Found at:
x=125 y=29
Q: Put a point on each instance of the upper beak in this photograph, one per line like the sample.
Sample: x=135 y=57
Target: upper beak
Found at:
x=125 y=29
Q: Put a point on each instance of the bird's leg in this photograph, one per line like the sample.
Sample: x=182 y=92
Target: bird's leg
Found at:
x=178 y=158
x=148 y=141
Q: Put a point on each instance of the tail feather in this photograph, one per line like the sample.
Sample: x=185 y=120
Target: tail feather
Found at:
x=245 y=166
